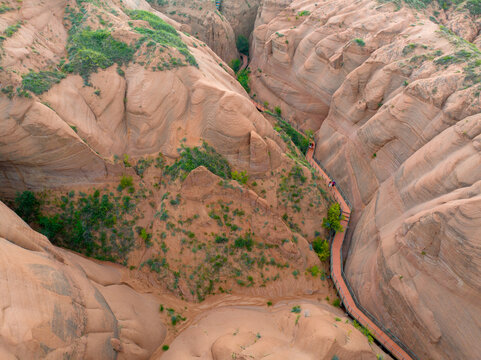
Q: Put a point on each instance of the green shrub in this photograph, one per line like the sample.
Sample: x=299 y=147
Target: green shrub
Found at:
x=242 y=45
x=89 y=50
x=242 y=177
x=126 y=182
x=333 y=221
x=303 y=13
x=8 y=90
x=314 y=270
x=27 y=206
x=9 y=31
x=4 y=8
x=278 y=110
x=243 y=78
x=235 y=65
x=91 y=224
x=321 y=247
x=360 y=42
x=336 y=303
x=165 y=347
x=39 y=82
x=474 y=7
x=142 y=165
x=244 y=242
x=365 y=331
x=297 y=138
x=219 y=239
x=192 y=158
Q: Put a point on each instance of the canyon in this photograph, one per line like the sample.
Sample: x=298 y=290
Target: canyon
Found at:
x=160 y=215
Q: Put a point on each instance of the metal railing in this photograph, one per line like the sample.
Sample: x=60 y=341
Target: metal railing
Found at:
x=353 y=312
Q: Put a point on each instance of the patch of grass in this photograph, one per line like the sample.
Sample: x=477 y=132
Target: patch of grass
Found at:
x=12 y=29
x=126 y=182
x=365 y=331
x=39 y=82
x=244 y=242
x=89 y=50
x=409 y=49
x=192 y=158
x=303 y=13
x=301 y=141
x=4 y=8
x=296 y=309
x=161 y=33
x=93 y=225
x=243 y=78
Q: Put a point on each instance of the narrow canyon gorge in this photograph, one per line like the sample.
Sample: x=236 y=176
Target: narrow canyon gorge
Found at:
x=220 y=179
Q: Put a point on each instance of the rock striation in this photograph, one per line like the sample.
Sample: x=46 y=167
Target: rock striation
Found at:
x=55 y=304
x=395 y=101
x=72 y=133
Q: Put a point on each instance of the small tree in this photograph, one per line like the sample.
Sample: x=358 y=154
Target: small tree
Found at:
x=235 y=65
x=243 y=78
x=242 y=177
x=27 y=206
x=278 y=110
x=333 y=220
x=321 y=247
x=242 y=45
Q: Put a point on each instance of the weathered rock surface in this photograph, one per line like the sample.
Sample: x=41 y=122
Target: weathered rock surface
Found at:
x=70 y=134
x=395 y=100
x=277 y=333
x=55 y=304
x=241 y=15
x=202 y=20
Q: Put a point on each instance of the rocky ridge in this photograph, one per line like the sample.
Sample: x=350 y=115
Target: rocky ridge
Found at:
x=394 y=97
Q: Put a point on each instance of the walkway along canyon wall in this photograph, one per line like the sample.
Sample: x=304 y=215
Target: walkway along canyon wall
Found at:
x=394 y=100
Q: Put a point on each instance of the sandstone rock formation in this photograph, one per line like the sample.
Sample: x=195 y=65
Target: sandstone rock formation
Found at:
x=70 y=134
x=278 y=333
x=55 y=304
x=395 y=100
x=241 y=15
x=202 y=20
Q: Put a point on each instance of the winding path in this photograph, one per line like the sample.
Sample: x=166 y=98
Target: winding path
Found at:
x=245 y=62
x=347 y=298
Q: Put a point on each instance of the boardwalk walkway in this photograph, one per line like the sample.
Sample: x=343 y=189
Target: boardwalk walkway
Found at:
x=394 y=347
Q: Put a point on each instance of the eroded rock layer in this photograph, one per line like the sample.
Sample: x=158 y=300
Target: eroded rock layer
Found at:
x=394 y=98
x=70 y=133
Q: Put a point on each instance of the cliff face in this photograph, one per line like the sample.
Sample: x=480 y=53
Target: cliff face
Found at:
x=395 y=100
x=241 y=15
x=55 y=304
x=202 y=20
x=61 y=132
